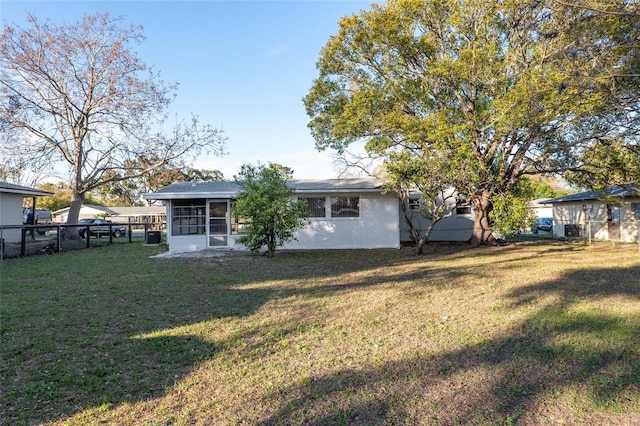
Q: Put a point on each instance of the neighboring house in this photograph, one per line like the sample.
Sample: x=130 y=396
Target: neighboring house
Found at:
x=145 y=214
x=142 y=214
x=345 y=214
x=86 y=212
x=11 y=208
x=588 y=214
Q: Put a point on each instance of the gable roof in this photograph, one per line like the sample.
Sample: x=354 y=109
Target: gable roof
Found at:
x=626 y=190
x=12 y=188
x=229 y=189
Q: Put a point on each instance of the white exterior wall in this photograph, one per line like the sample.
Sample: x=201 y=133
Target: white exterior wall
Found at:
x=186 y=242
x=11 y=214
x=377 y=227
x=629 y=226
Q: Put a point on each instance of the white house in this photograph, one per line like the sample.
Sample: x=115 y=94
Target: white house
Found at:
x=613 y=214
x=11 y=208
x=345 y=214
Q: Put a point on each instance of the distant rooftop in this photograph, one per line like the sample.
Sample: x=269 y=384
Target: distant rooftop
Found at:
x=619 y=191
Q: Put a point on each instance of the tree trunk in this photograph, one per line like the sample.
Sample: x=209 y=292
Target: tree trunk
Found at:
x=481 y=233
x=422 y=241
x=74 y=215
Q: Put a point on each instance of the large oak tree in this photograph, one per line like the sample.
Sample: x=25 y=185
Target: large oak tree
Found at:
x=506 y=85
x=79 y=94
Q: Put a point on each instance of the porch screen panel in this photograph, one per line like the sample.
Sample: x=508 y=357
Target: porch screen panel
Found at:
x=238 y=223
x=218 y=223
x=188 y=217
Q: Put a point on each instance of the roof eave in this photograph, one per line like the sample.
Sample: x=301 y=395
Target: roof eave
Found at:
x=187 y=195
x=27 y=193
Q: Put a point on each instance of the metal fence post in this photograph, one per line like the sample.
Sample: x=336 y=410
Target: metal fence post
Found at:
x=23 y=242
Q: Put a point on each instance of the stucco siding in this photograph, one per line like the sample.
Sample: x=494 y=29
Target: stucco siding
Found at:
x=187 y=242
x=376 y=227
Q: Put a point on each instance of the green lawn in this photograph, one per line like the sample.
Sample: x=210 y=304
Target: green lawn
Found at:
x=531 y=333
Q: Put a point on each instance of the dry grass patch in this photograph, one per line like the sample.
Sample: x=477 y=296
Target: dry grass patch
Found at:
x=531 y=333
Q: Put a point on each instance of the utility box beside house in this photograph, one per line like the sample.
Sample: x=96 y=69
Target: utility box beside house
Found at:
x=153 y=237
x=572 y=231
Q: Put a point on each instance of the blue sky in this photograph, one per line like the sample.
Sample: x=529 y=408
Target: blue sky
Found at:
x=243 y=66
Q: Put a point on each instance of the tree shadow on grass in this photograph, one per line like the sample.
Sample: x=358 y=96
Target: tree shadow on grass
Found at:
x=99 y=341
x=100 y=345
x=593 y=355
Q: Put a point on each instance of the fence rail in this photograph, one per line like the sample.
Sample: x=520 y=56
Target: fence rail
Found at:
x=25 y=240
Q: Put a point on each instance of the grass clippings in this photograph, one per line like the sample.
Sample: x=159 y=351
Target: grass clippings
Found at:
x=531 y=333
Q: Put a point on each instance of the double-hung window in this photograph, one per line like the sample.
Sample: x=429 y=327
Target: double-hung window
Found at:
x=345 y=206
x=316 y=206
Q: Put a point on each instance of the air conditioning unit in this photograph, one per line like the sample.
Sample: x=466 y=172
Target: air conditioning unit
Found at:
x=572 y=231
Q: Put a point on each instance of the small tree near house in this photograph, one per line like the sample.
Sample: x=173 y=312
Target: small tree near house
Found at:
x=435 y=176
x=266 y=201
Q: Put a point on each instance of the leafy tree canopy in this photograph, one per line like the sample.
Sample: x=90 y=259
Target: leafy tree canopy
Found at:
x=512 y=88
x=61 y=197
x=129 y=191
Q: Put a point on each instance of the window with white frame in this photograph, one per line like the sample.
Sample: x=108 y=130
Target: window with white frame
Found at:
x=345 y=206
x=188 y=217
x=316 y=206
